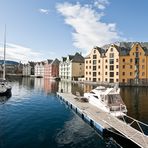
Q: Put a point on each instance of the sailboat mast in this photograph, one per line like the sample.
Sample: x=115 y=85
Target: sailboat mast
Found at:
x=4 y=67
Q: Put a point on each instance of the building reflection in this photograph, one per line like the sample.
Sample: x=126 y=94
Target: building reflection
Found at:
x=50 y=86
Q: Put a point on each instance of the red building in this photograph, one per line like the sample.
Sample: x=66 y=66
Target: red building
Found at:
x=51 y=68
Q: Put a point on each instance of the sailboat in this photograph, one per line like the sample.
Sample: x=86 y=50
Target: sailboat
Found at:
x=5 y=88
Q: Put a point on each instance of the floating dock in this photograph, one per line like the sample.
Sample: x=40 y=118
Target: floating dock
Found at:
x=103 y=121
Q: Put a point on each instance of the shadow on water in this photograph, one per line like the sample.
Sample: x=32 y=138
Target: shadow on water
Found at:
x=5 y=98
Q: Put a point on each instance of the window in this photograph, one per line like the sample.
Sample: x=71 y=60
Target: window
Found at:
x=106 y=80
x=142 y=66
x=111 y=80
x=86 y=62
x=86 y=67
x=117 y=66
x=89 y=67
x=105 y=73
x=86 y=78
x=136 y=61
x=94 y=79
x=94 y=74
x=94 y=62
x=112 y=67
x=143 y=60
x=131 y=60
x=111 y=49
x=98 y=73
x=94 y=56
x=111 y=61
x=89 y=61
x=136 y=48
x=94 y=67
x=117 y=60
x=123 y=66
x=131 y=73
x=99 y=67
x=98 y=61
x=90 y=73
x=143 y=73
x=94 y=51
x=117 y=80
x=123 y=73
x=111 y=74
x=111 y=55
x=106 y=61
x=123 y=60
x=123 y=80
x=86 y=73
x=117 y=73
x=131 y=66
x=98 y=79
x=137 y=54
x=106 y=67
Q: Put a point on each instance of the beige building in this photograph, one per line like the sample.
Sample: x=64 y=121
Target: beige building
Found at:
x=102 y=65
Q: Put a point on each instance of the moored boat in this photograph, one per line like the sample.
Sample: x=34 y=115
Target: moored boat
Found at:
x=107 y=99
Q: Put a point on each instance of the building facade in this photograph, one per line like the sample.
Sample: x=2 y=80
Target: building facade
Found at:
x=28 y=69
x=39 y=69
x=123 y=62
x=72 y=67
x=51 y=68
x=134 y=63
x=102 y=65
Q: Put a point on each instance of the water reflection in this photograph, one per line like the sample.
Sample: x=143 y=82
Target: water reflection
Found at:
x=135 y=98
x=4 y=99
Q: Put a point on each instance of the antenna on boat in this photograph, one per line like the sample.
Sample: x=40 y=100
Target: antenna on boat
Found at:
x=4 y=67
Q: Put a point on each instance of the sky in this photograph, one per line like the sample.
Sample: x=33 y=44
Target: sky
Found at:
x=37 y=30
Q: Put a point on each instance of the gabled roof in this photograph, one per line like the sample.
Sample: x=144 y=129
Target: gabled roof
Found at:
x=49 y=61
x=78 y=58
x=55 y=62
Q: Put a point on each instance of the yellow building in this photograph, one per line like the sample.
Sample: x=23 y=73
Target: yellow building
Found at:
x=94 y=65
x=133 y=63
x=102 y=65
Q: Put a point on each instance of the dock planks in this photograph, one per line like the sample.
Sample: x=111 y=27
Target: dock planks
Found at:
x=106 y=120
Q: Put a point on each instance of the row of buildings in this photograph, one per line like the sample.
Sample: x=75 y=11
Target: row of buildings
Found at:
x=69 y=68
x=122 y=62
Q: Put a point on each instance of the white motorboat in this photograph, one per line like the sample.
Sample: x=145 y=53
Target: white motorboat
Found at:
x=107 y=99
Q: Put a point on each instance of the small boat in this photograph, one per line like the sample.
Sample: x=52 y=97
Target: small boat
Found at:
x=107 y=99
x=5 y=88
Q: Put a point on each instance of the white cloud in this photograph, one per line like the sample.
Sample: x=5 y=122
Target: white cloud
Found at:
x=101 y=4
x=44 y=11
x=89 y=30
x=19 y=53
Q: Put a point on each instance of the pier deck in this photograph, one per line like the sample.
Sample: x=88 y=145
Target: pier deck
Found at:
x=106 y=120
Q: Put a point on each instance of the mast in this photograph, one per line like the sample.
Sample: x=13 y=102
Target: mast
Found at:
x=4 y=67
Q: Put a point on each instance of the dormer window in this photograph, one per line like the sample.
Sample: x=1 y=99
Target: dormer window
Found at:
x=111 y=49
x=136 y=48
x=94 y=51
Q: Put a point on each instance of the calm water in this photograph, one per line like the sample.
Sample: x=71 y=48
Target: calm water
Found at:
x=33 y=117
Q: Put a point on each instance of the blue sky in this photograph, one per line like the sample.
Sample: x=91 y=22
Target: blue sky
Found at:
x=42 y=29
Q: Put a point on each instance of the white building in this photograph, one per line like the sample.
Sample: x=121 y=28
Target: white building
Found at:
x=39 y=69
x=71 y=67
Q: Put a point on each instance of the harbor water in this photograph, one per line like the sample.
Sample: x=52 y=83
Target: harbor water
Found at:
x=33 y=117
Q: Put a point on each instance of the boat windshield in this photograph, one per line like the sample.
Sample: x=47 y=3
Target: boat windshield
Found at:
x=114 y=99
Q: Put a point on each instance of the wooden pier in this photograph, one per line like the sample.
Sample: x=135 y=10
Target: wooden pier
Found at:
x=102 y=120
